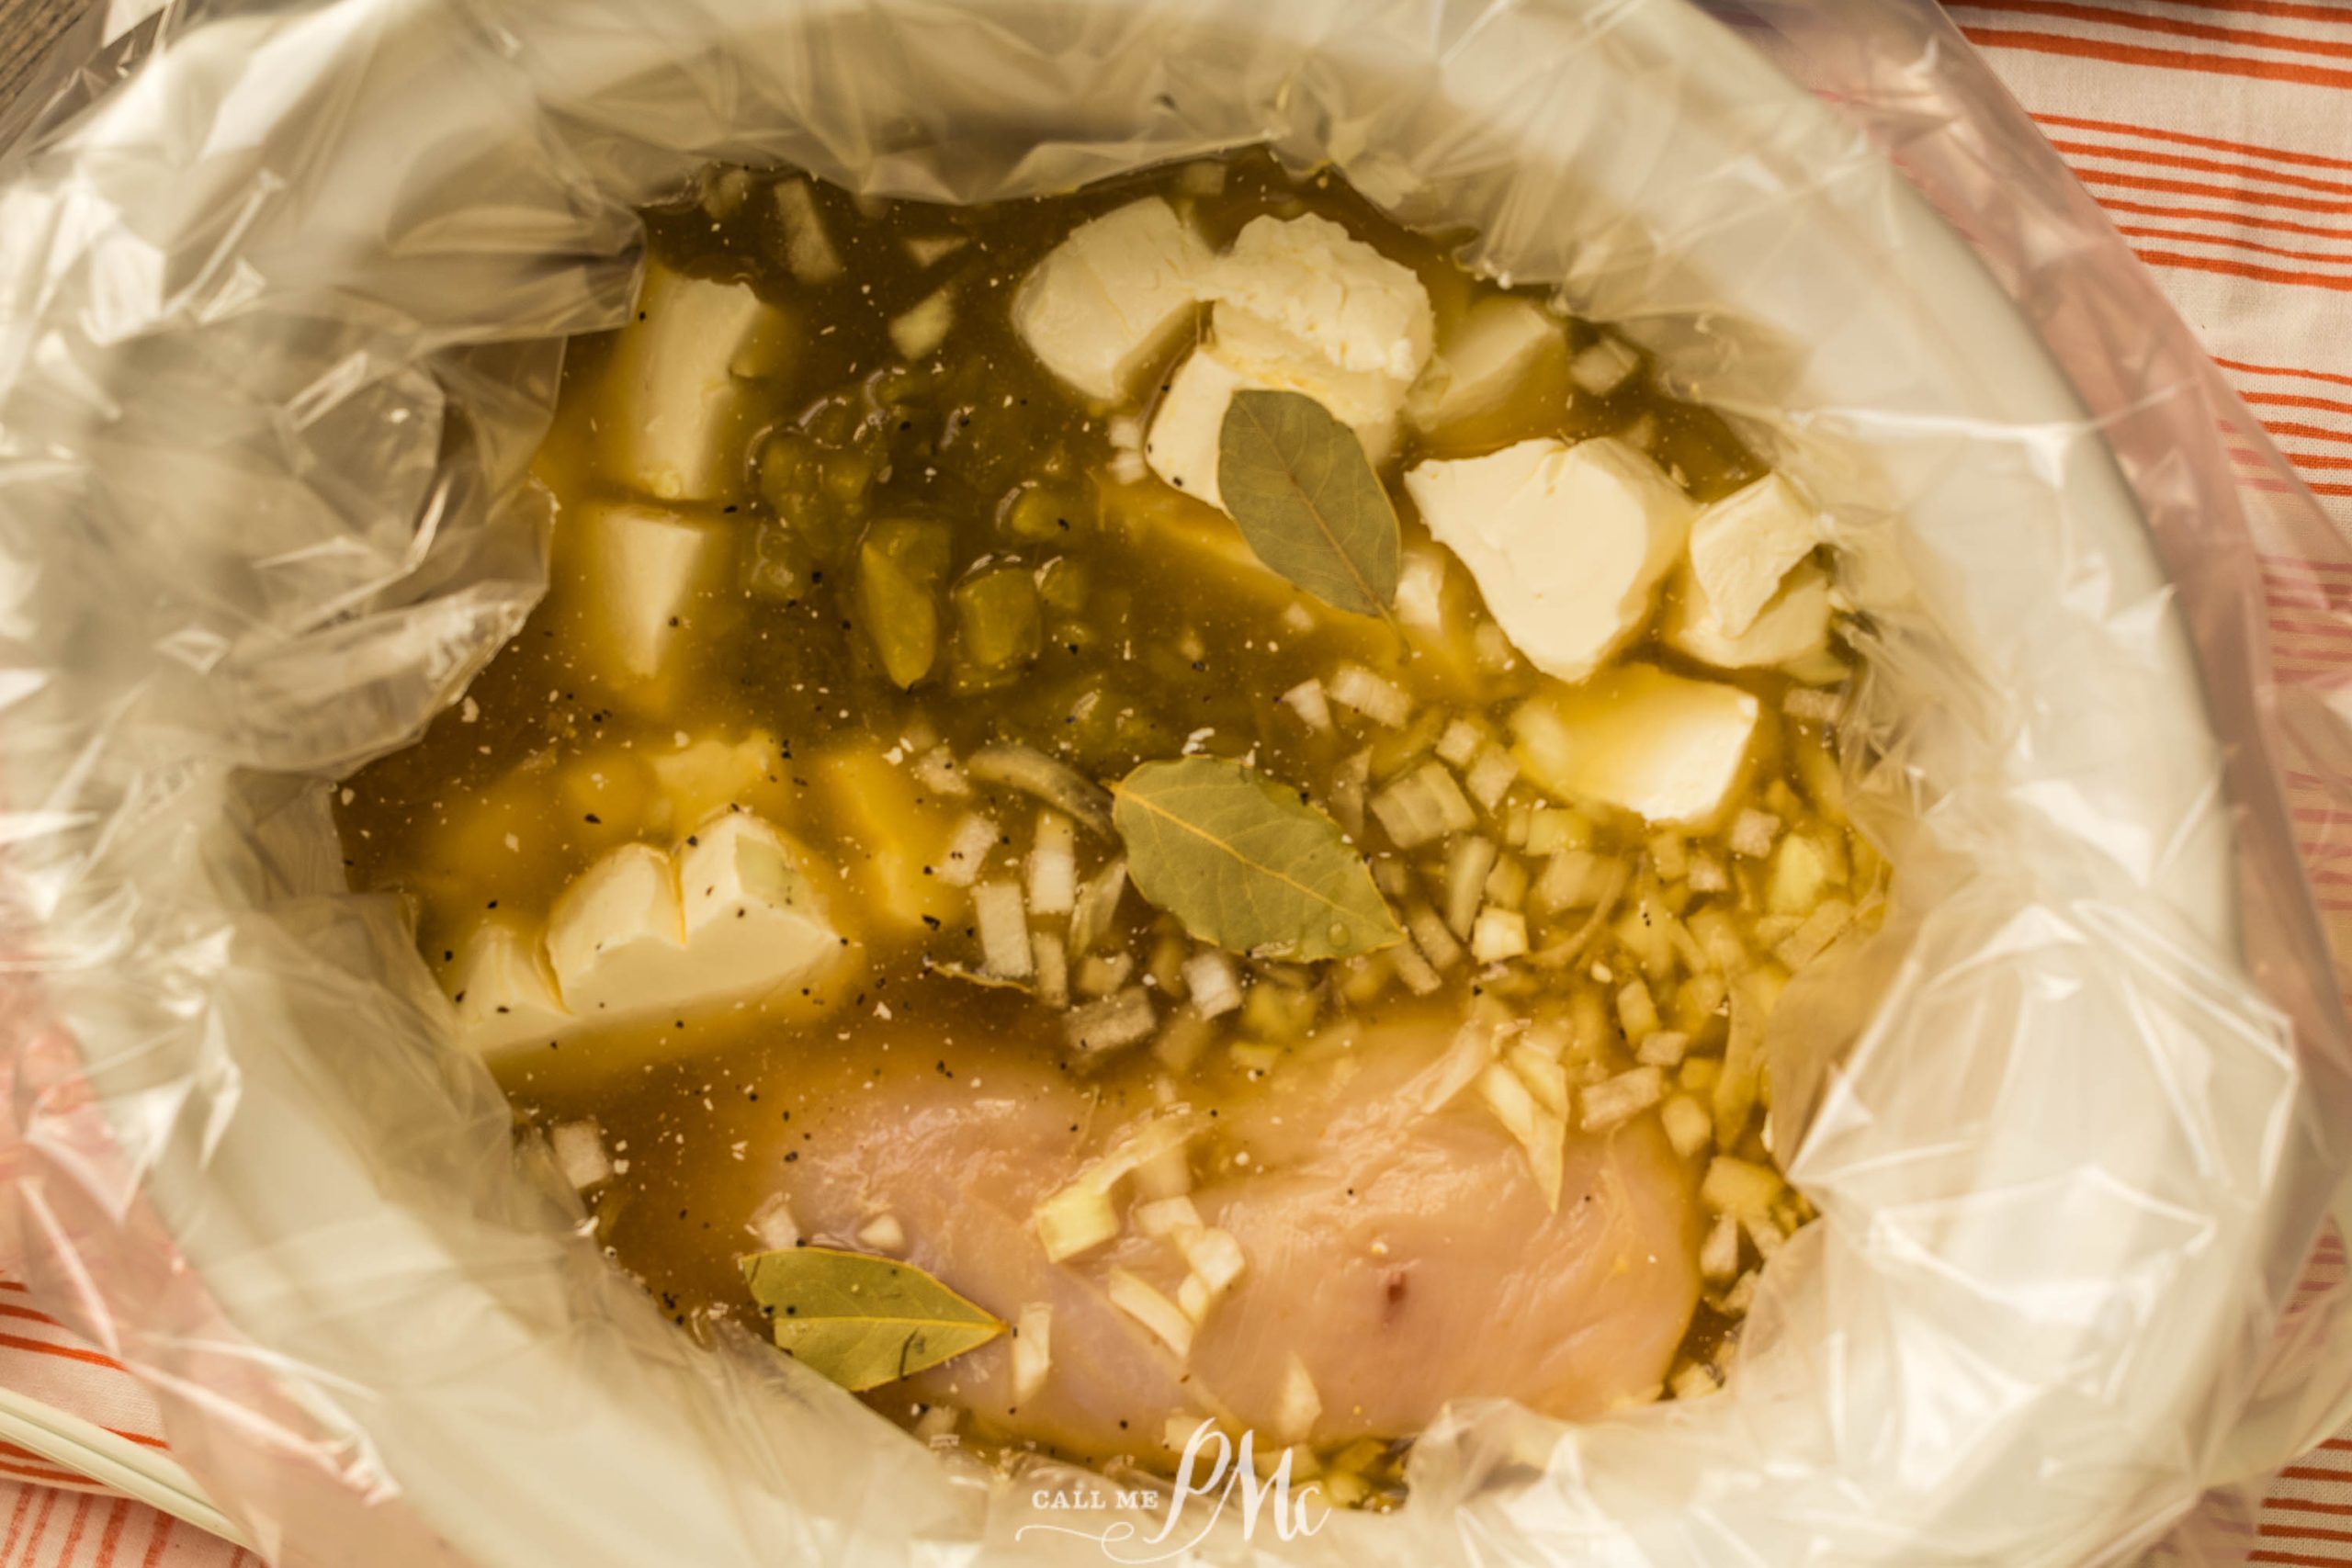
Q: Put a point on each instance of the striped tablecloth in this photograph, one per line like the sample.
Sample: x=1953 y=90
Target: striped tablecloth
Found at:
x=2218 y=134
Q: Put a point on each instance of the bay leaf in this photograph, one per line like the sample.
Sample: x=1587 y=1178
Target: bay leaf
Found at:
x=1300 y=488
x=861 y=1320
x=1243 y=862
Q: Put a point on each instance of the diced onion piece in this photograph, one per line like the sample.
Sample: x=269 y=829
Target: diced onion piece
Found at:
x=1551 y=829
x=1255 y=1058
x=1163 y=1169
x=915 y=334
x=1032 y=1350
x=1743 y=1066
x=1077 y=1219
x=1506 y=884
x=1461 y=742
x=936 y=1426
x=1688 y=1126
x=1752 y=832
x=1348 y=782
x=1572 y=879
x=1612 y=1100
x=1034 y=774
x=1543 y=1074
x=1635 y=1011
x=1419 y=599
x=1475 y=1047
x=938 y=771
x=1430 y=935
x=1103 y=973
x=1719 y=937
x=1053 y=865
x=1490 y=778
x=1167 y=1216
x=1098 y=902
x=1699 y=1074
x=1499 y=934
x=1004 y=931
x=1671 y=856
x=1116 y=1021
x=1164 y=1319
x=883 y=1233
x=1312 y=708
x=1719 y=1254
x=1663 y=1048
x=1538 y=1132
x=1803 y=872
x=1297 y=1406
x=1810 y=941
x=1739 y=1188
x=968 y=852
x=1414 y=970
x=1765 y=1233
x=772 y=1221
x=1601 y=367
x=1214 y=1256
x=1213 y=983
x=1353 y=686
x=808 y=252
x=1695 y=1381
x=580 y=1153
x=1194 y=1298
x=1053 y=968
x=1809 y=704
x=1467 y=862
x=1423 y=806
x=1180 y=1044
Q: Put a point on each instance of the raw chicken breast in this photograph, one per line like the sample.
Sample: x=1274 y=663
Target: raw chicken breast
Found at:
x=1404 y=1255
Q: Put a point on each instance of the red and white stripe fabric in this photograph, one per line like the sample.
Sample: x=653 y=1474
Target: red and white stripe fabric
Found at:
x=2217 y=135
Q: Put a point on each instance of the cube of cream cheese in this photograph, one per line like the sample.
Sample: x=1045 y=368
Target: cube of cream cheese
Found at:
x=1742 y=545
x=642 y=568
x=1498 y=346
x=752 y=921
x=1182 y=443
x=1111 y=296
x=1300 y=307
x=615 y=937
x=504 y=996
x=1794 y=625
x=678 y=392
x=1667 y=747
x=1566 y=543
x=1338 y=298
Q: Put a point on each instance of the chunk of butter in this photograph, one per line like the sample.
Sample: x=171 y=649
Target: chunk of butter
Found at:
x=752 y=921
x=1742 y=545
x=1110 y=297
x=1793 y=626
x=1338 y=298
x=679 y=391
x=1497 y=349
x=1669 y=749
x=503 y=995
x=614 y=936
x=1567 y=543
x=1302 y=308
x=729 y=917
x=641 y=572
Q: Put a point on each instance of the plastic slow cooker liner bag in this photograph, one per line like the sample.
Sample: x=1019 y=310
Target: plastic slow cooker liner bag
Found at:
x=283 y=293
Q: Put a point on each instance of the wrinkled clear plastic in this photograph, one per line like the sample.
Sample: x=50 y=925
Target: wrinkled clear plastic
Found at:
x=281 y=297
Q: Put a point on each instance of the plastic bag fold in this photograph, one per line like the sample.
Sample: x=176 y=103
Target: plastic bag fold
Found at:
x=281 y=292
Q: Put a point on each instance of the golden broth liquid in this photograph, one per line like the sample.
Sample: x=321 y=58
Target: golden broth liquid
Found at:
x=1154 y=640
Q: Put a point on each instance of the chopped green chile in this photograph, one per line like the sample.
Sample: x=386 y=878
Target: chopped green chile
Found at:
x=998 y=625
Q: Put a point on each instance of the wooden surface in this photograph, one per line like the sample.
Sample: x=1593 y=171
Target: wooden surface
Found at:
x=27 y=30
